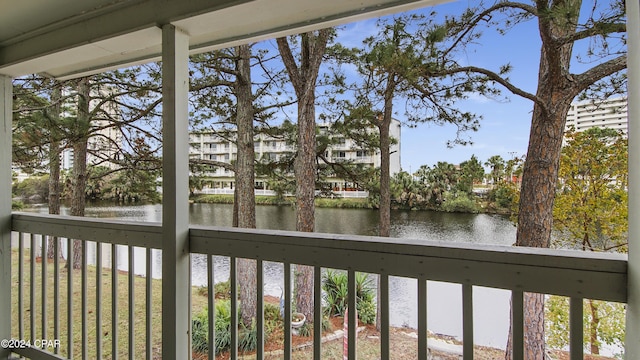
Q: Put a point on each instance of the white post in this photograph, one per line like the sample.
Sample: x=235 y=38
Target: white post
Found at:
x=176 y=269
x=633 y=95
x=6 y=98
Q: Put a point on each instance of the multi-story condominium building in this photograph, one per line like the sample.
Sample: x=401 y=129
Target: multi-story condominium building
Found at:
x=104 y=145
x=209 y=146
x=610 y=113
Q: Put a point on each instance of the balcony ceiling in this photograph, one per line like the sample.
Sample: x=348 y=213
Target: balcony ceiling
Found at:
x=71 y=38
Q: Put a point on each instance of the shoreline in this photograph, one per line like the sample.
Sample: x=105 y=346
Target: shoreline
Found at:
x=342 y=203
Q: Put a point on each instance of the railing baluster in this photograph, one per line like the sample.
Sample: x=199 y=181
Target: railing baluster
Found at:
x=423 y=344
x=44 y=285
x=576 y=329
x=131 y=304
x=149 y=304
x=32 y=287
x=259 y=309
x=81 y=350
x=233 y=282
x=70 y=298
x=114 y=301
x=317 y=313
x=517 y=324
x=384 y=321
x=84 y=299
x=467 y=321
x=212 y=307
x=287 y=311
x=20 y=286
x=98 y=300
x=56 y=291
x=352 y=320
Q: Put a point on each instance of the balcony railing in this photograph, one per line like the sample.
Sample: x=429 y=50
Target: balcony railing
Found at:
x=111 y=327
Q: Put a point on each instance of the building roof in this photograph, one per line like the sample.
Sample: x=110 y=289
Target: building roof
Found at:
x=72 y=38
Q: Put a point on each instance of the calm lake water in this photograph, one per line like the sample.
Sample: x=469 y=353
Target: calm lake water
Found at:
x=491 y=306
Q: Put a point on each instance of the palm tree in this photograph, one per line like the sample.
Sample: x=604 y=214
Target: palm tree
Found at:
x=497 y=165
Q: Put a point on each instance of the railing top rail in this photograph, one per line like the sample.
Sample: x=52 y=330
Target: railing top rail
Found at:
x=147 y=234
x=614 y=262
x=601 y=276
x=572 y=273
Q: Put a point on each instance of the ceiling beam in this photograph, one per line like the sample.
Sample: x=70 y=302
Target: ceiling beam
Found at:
x=100 y=25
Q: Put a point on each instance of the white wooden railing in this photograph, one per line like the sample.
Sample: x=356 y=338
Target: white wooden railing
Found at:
x=577 y=275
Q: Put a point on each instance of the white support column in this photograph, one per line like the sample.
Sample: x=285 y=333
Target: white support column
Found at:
x=633 y=92
x=6 y=100
x=176 y=269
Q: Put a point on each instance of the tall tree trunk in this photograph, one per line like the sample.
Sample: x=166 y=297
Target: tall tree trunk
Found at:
x=245 y=204
x=305 y=165
x=385 y=160
x=305 y=172
x=540 y=174
x=303 y=79
x=593 y=327
x=54 y=161
x=79 y=182
x=384 y=223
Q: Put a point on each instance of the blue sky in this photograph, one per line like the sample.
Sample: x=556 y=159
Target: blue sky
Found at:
x=504 y=129
x=505 y=124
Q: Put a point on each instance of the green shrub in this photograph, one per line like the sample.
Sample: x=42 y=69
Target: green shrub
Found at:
x=223 y=325
x=336 y=292
x=17 y=205
x=228 y=199
x=274 y=200
x=306 y=329
x=214 y=199
x=222 y=290
x=504 y=195
x=335 y=285
x=271 y=312
x=366 y=311
x=200 y=325
x=247 y=336
x=459 y=202
x=326 y=324
x=609 y=323
x=37 y=186
x=343 y=203
x=200 y=328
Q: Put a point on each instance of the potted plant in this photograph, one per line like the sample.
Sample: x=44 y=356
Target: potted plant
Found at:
x=297 y=320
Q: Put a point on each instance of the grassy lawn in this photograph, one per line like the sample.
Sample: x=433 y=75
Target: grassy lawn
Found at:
x=103 y=305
